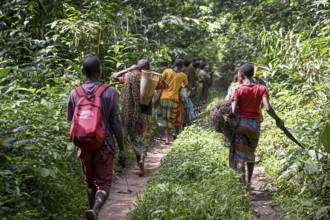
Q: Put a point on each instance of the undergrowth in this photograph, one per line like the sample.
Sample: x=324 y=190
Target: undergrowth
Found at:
x=194 y=182
x=41 y=176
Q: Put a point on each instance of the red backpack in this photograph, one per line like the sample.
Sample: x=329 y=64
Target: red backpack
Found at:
x=88 y=130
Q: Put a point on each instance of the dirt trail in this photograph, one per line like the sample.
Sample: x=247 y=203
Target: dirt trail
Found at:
x=119 y=204
x=261 y=197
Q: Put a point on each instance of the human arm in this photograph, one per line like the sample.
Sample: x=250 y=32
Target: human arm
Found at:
x=271 y=112
x=70 y=108
x=119 y=74
x=187 y=85
x=117 y=129
x=234 y=105
x=234 y=102
x=162 y=85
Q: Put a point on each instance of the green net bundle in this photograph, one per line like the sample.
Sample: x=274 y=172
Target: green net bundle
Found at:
x=220 y=120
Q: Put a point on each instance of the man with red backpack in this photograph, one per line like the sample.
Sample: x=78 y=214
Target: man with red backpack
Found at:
x=94 y=112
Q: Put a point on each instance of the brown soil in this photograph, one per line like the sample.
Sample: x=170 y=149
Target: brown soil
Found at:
x=119 y=202
x=261 y=197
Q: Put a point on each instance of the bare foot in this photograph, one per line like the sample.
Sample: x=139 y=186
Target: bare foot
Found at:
x=141 y=166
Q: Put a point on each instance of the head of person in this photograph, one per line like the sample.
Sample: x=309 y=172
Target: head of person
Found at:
x=143 y=64
x=246 y=71
x=186 y=62
x=178 y=65
x=202 y=64
x=196 y=65
x=91 y=67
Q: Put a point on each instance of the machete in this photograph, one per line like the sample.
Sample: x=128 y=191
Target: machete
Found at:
x=289 y=135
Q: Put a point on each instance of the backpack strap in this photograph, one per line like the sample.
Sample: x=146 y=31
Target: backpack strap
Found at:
x=100 y=90
x=80 y=91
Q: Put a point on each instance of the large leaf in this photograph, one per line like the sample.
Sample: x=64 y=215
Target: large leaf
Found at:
x=4 y=72
x=325 y=138
x=74 y=66
x=44 y=172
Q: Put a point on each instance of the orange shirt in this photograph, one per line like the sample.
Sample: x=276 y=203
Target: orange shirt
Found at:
x=174 y=80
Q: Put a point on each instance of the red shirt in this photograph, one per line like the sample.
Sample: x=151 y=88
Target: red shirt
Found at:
x=249 y=98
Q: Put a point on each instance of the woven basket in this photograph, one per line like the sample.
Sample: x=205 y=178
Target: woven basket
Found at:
x=149 y=82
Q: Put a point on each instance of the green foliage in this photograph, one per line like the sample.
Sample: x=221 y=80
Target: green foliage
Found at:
x=43 y=42
x=292 y=46
x=296 y=64
x=38 y=165
x=194 y=182
x=326 y=138
x=42 y=45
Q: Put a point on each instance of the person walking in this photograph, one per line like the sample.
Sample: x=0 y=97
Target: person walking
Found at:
x=97 y=149
x=135 y=116
x=247 y=99
x=169 y=108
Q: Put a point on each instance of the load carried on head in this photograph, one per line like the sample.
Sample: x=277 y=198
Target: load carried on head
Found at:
x=220 y=120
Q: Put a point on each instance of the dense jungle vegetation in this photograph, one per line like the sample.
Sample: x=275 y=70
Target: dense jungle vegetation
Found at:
x=42 y=44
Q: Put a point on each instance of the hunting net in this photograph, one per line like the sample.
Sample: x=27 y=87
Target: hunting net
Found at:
x=131 y=108
x=221 y=122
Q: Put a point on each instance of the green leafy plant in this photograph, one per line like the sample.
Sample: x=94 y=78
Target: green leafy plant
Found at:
x=193 y=182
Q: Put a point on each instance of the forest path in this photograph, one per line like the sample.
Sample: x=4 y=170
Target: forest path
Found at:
x=261 y=196
x=119 y=202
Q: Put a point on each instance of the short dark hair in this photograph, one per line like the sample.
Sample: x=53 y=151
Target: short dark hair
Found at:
x=178 y=63
x=91 y=65
x=247 y=70
x=186 y=62
x=144 y=64
x=196 y=64
x=202 y=64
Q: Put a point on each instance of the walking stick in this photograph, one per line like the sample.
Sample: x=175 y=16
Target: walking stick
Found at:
x=122 y=163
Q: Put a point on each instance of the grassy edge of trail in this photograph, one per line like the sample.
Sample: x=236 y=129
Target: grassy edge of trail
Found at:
x=194 y=182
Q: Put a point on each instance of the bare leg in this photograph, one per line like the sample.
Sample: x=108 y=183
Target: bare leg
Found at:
x=241 y=169
x=250 y=167
x=167 y=139
x=141 y=166
x=177 y=130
